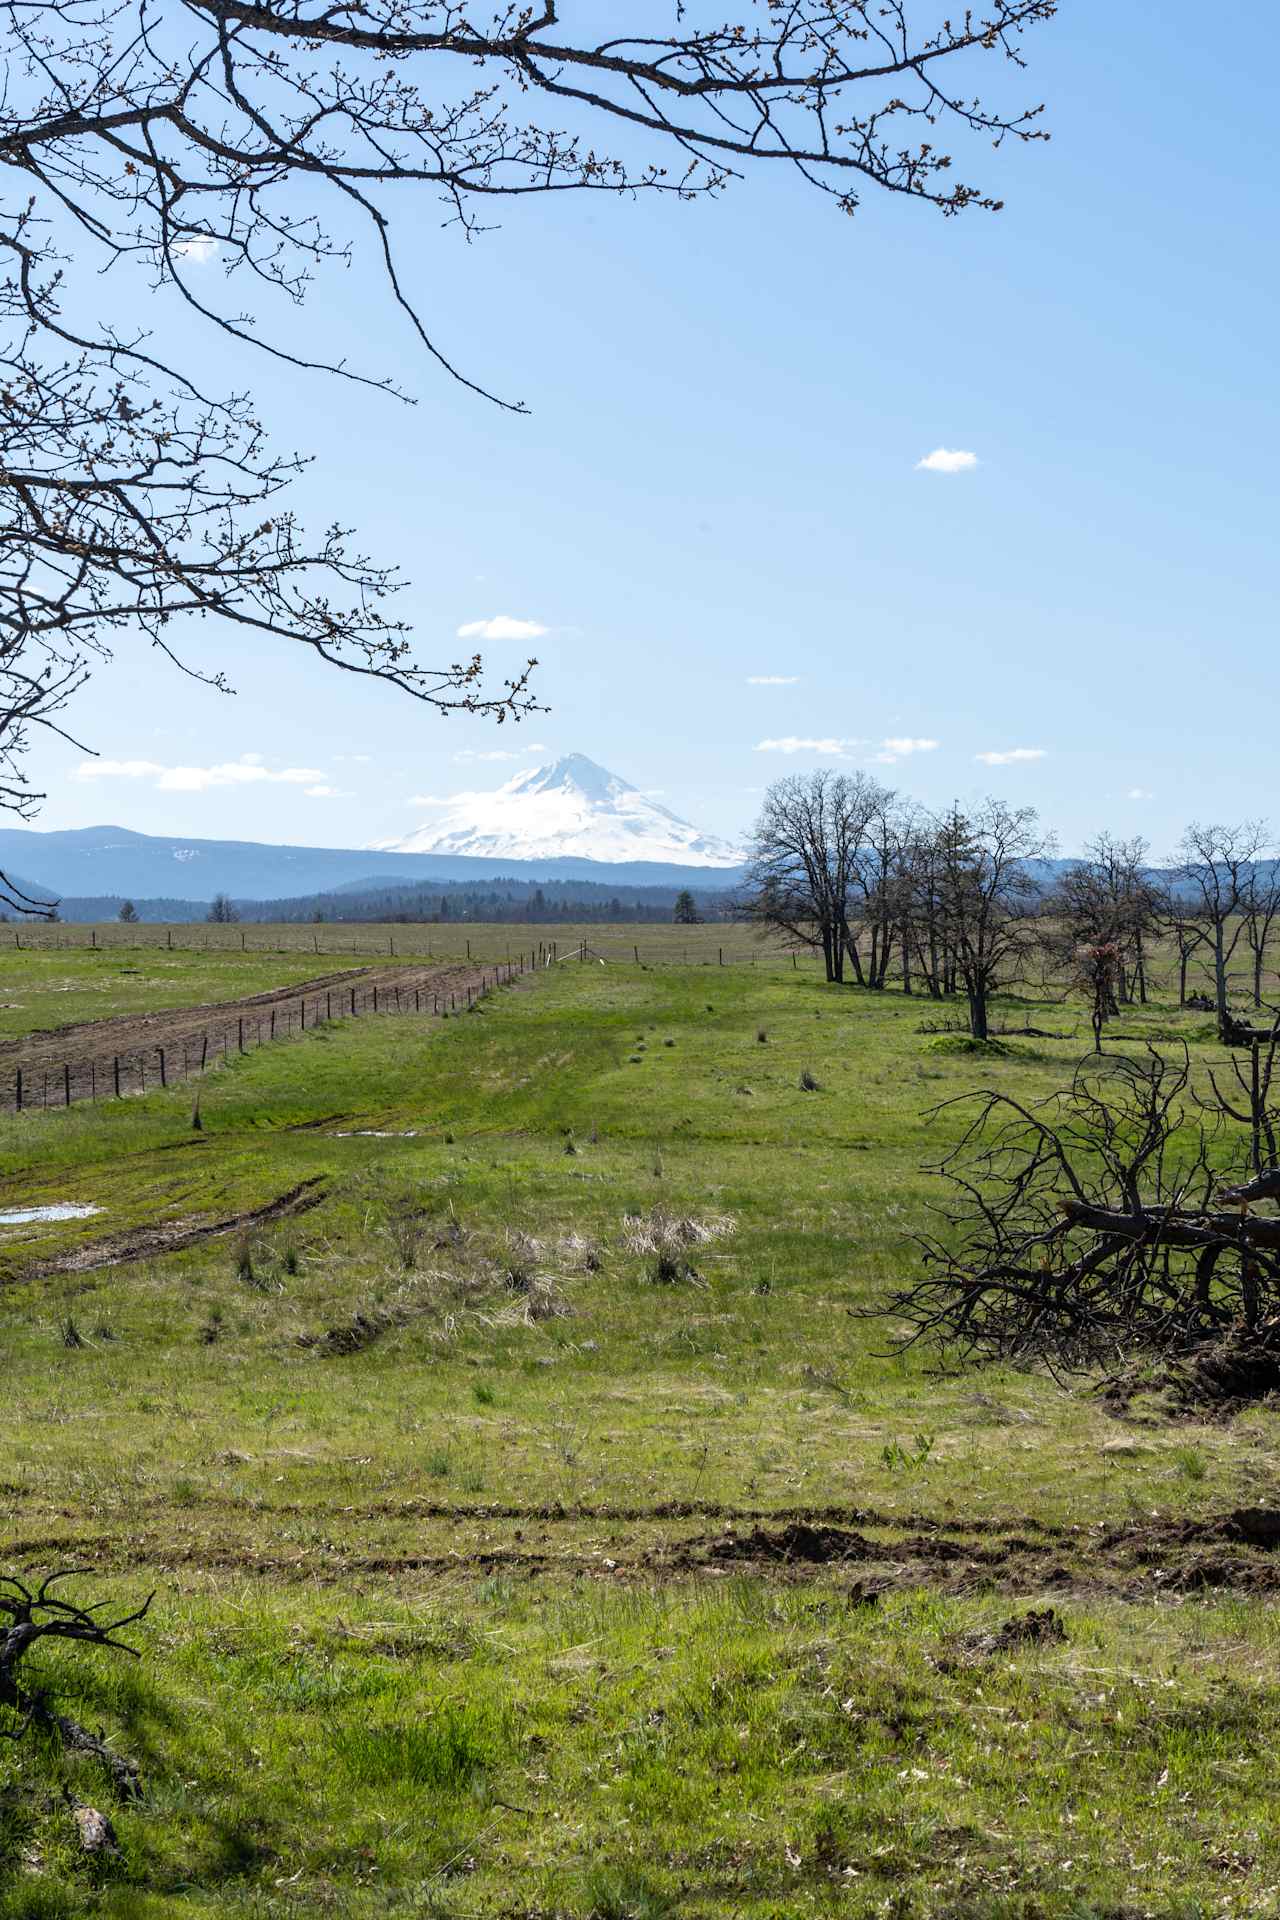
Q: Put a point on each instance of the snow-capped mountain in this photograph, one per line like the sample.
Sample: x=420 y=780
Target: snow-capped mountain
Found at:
x=572 y=808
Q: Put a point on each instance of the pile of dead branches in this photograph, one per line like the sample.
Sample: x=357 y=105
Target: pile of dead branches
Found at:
x=1123 y=1216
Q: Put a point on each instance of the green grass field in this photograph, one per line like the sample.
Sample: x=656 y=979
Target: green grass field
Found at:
x=490 y=1569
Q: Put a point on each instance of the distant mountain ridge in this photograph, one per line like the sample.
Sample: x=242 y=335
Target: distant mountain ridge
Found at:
x=570 y=809
x=99 y=862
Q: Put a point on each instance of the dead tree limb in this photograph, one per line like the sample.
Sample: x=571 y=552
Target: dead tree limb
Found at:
x=1096 y=1225
x=29 y=1616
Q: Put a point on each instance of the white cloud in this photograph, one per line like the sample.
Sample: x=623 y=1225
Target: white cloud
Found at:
x=198 y=249
x=248 y=771
x=326 y=793
x=897 y=748
x=772 y=679
x=791 y=743
x=502 y=627
x=947 y=460
x=429 y=800
x=1139 y=793
x=1012 y=757
x=116 y=770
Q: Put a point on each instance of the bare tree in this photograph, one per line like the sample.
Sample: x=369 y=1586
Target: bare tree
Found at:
x=988 y=896
x=804 y=855
x=1217 y=870
x=1176 y=916
x=881 y=888
x=1109 y=899
x=1261 y=908
x=1098 y=965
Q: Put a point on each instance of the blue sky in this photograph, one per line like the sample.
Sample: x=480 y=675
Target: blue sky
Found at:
x=716 y=509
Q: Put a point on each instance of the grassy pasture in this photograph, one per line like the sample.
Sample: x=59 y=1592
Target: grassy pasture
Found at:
x=657 y=944
x=460 y=1520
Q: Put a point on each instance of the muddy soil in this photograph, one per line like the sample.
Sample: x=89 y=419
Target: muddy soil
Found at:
x=169 y=1236
x=1161 y=1560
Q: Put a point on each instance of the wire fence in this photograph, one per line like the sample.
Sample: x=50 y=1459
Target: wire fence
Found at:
x=186 y=1045
x=722 y=943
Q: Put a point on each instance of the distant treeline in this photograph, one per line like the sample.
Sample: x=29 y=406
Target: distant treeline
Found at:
x=525 y=902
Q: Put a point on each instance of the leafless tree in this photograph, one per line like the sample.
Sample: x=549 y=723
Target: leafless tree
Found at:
x=805 y=849
x=1176 y=917
x=880 y=896
x=1216 y=869
x=230 y=149
x=1098 y=966
x=988 y=895
x=1261 y=908
x=1109 y=899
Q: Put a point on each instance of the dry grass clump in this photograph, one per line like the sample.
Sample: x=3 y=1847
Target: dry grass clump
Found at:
x=539 y=1296
x=520 y=1261
x=581 y=1250
x=542 y=1299
x=664 y=1240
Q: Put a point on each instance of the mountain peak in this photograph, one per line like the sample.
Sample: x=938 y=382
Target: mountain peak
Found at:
x=572 y=770
x=571 y=807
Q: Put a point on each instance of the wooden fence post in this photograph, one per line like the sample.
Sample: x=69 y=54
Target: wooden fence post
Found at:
x=204 y=1050
x=240 y=1034
x=18 y=1093
x=115 y=1067
x=66 y=1083
x=163 y=1080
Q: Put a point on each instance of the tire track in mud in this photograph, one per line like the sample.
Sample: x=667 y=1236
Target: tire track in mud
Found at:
x=1236 y=1551
x=169 y=1236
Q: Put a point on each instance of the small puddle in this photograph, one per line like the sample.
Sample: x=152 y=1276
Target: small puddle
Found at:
x=376 y=1133
x=23 y=1216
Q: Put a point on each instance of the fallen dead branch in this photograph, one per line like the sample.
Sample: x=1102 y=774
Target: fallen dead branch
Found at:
x=1096 y=1225
x=35 y=1615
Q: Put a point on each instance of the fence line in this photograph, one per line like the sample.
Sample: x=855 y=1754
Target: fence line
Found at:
x=184 y=1055
x=31 y=937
